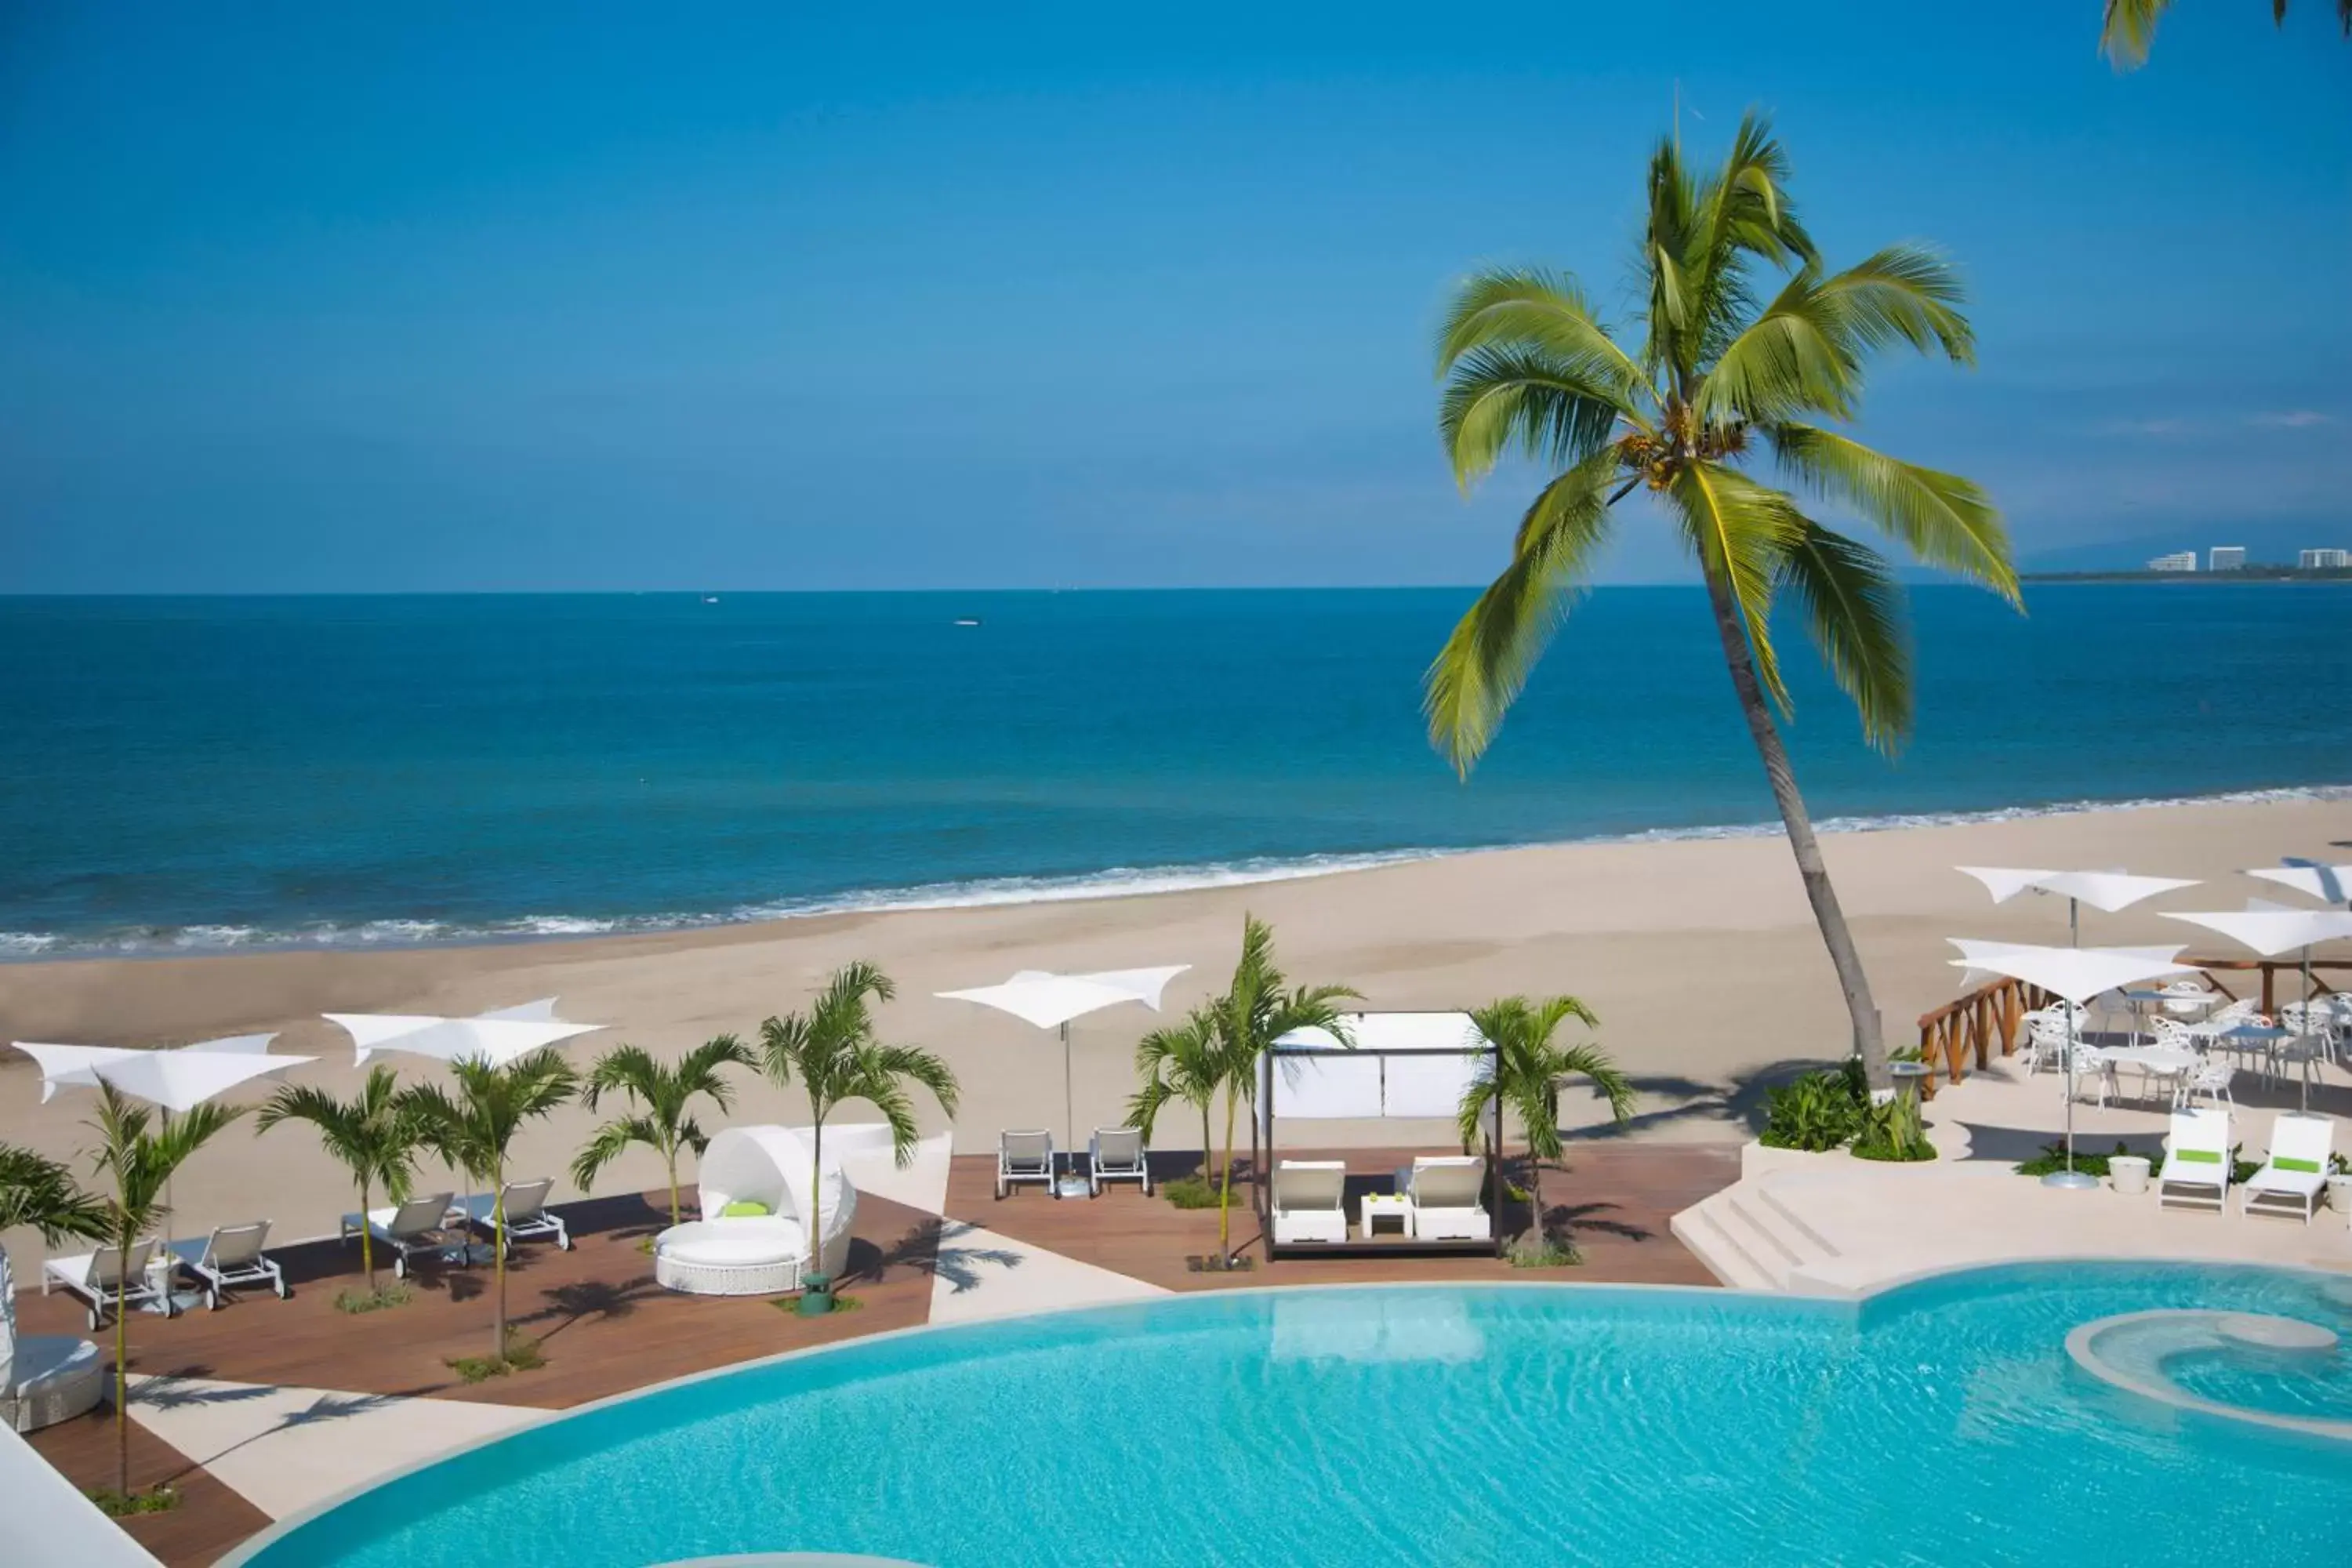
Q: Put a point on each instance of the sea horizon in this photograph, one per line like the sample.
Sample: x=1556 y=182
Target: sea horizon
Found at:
x=216 y=773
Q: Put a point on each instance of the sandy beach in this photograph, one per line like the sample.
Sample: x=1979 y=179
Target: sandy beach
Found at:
x=1700 y=958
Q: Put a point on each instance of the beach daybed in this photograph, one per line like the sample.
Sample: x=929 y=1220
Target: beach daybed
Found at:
x=2290 y=1181
x=94 y=1277
x=419 y=1226
x=44 y=1378
x=527 y=1214
x=1446 y=1192
x=753 y=1237
x=1024 y=1156
x=232 y=1255
x=1309 y=1201
x=2196 y=1172
x=1116 y=1154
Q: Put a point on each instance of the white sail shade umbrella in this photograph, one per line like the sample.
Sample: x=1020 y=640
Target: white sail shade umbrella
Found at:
x=2270 y=931
x=176 y=1080
x=2108 y=890
x=2076 y=974
x=2330 y=884
x=1050 y=1001
x=492 y=1037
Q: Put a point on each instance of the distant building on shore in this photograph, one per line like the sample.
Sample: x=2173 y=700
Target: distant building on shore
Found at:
x=2179 y=561
x=2225 y=558
x=2310 y=560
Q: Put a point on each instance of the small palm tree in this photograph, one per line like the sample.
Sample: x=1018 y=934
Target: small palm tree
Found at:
x=1259 y=1008
x=374 y=1135
x=1722 y=371
x=659 y=1100
x=138 y=1151
x=1179 y=1064
x=2129 y=28
x=1528 y=1073
x=832 y=1052
x=40 y=1194
x=475 y=1129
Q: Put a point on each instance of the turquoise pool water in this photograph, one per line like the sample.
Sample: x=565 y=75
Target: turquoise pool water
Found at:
x=1940 y=1423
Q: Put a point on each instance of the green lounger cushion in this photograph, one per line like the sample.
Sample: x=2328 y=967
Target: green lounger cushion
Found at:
x=2200 y=1156
x=744 y=1209
x=2309 y=1167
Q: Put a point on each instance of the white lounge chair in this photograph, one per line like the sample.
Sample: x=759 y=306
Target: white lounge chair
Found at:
x=105 y=1278
x=418 y=1226
x=1024 y=1156
x=1309 y=1201
x=1446 y=1193
x=1116 y=1154
x=2290 y=1181
x=526 y=1214
x=233 y=1256
x=2196 y=1172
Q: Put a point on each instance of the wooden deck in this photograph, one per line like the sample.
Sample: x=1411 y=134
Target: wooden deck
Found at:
x=605 y=1327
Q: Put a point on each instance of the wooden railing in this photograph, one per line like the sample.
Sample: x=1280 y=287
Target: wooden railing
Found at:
x=1984 y=1023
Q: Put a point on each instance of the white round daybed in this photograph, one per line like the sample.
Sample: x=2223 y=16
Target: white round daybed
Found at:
x=44 y=1378
x=762 y=1175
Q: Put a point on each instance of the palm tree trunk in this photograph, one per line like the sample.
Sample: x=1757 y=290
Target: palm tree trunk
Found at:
x=816 y=1192
x=1860 y=1009
x=498 y=1253
x=671 y=1155
x=1225 y=1189
x=367 y=1252
x=1208 y=1140
x=1535 y=1193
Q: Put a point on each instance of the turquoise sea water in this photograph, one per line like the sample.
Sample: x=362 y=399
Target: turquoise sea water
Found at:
x=210 y=773
x=1934 y=1425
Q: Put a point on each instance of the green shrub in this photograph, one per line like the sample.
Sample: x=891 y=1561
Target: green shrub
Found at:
x=1818 y=1111
x=2053 y=1158
x=1892 y=1131
x=358 y=1302
x=1190 y=1192
x=119 y=1505
x=522 y=1355
x=1544 y=1252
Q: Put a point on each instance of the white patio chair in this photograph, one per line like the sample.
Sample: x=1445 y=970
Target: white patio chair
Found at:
x=527 y=1214
x=233 y=1256
x=1446 y=1193
x=1024 y=1156
x=2196 y=1172
x=2093 y=1063
x=1116 y=1154
x=106 y=1278
x=2212 y=1081
x=419 y=1226
x=2290 y=1181
x=1309 y=1201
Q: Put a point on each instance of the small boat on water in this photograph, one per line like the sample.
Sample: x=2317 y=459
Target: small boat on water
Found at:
x=709 y=598
x=967 y=620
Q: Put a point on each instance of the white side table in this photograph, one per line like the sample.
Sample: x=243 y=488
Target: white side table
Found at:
x=1379 y=1206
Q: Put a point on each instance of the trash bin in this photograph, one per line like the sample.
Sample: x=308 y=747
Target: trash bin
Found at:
x=816 y=1295
x=1907 y=1077
x=2128 y=1173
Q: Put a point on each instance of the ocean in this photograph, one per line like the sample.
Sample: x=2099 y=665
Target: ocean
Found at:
x=189 y=775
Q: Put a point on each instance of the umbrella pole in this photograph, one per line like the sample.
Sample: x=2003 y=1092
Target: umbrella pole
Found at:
x=2070 y=1177
x=1070 y=1113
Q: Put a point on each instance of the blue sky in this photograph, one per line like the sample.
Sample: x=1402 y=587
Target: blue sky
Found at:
x=327 y=297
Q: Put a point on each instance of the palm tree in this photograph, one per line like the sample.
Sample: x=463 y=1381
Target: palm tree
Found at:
x=1257 y=1010
x=475 y=1131
x=1527 y=1072
x=1179 y=1064
x=1528 y=367
x=658 y=1098
x=374 y=1135
x=139 y=1149
x=2129 y=28
x=832 y=1052
x=40 y=1194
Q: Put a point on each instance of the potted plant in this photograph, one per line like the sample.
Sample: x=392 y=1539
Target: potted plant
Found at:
x=2339 y=1184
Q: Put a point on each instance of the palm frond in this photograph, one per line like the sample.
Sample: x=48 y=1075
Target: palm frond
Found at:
x=1484 y=663
x=1545 y=314
x=1741 y=531
x=1853 y=607
x=608 y=1143
x=1503 y=398
x=1944 y=520
x=39 y=1193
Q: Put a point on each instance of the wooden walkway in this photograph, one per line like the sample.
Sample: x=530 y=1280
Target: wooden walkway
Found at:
x=605 y=1327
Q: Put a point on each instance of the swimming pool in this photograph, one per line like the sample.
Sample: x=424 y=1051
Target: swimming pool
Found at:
x=1940 y=1423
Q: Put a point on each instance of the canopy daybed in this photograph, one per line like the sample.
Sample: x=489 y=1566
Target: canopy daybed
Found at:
x=753 y=1237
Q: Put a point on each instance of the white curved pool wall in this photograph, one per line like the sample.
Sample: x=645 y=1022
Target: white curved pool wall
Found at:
x=45 y=1519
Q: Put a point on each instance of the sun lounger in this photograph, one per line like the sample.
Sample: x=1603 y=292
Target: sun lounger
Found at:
x=527 y=1214
x=419 y=1226
x=2290 y=1181
x=105 y=1278
x=1445 y=1192
x=2196 y=1172
x=233 y=1256
x=1309 y=1201
x=1116 y=1154
x=1026 y=1156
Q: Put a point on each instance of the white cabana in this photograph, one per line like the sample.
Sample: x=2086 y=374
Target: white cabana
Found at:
x=771 y=1166
x=1341 y=1083
x=497 y=1038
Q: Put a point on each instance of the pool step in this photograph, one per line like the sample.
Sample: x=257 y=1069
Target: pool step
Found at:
x=1751 y=1238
